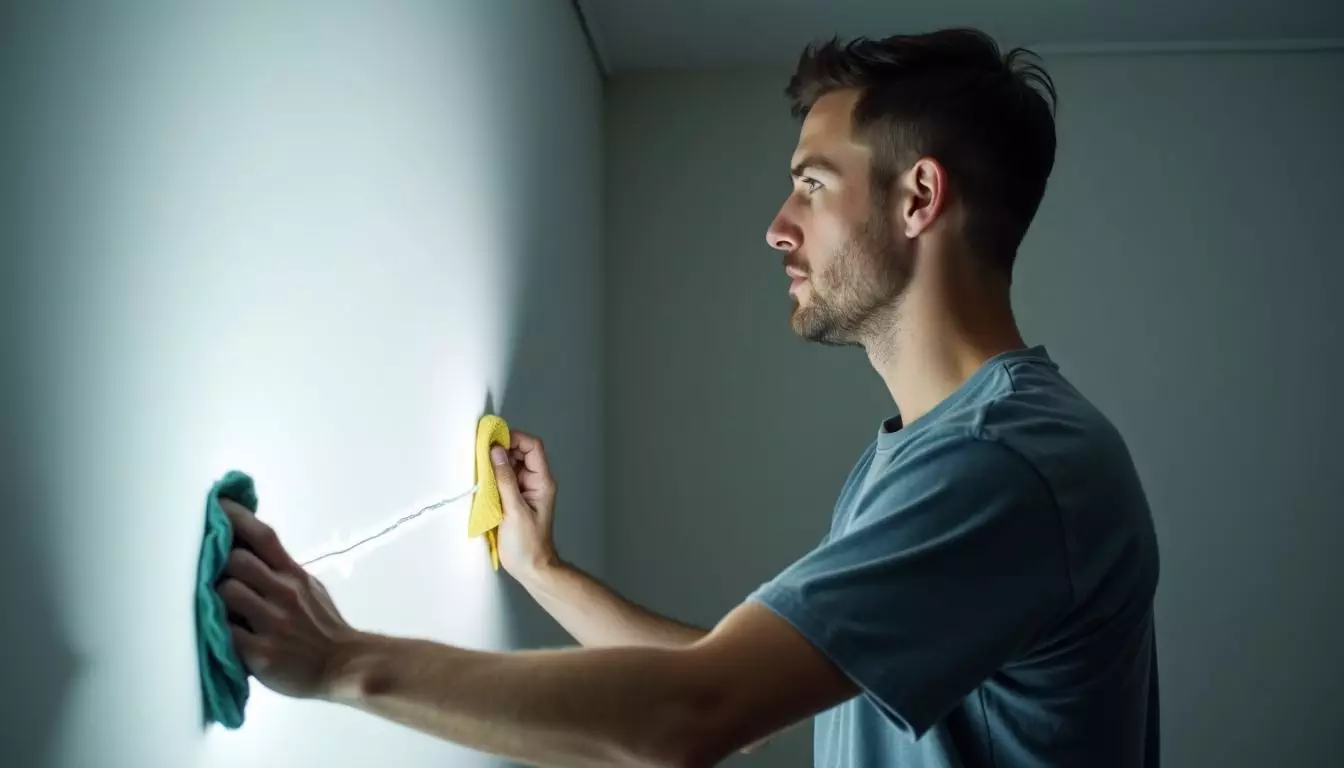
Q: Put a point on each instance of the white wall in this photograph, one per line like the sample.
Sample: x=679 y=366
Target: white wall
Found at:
x=305 y=240
x=1184 y=270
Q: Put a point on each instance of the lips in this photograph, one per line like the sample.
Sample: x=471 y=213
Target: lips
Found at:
x=798 y=277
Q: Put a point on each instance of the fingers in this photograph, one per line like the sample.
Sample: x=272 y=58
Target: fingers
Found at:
x=244 y=601
x=505 y=479
x=529 y=451
x=245 y=643
x=251 y=571
x=260 y=538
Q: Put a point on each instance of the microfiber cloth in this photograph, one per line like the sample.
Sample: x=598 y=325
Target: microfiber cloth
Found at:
x=487 y=512
x=223 y=676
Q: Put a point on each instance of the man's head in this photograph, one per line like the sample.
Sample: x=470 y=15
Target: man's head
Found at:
x=910 y=145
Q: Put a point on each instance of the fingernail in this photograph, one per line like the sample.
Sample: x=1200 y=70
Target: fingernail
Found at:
x=499 y=456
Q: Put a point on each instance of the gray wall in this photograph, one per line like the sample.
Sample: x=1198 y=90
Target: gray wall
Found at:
x=1183 y=271
x=309 y=241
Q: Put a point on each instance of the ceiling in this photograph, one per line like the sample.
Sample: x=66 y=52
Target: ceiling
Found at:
x=695 y=34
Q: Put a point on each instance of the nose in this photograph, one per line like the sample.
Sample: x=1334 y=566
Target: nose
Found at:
x=783 y=234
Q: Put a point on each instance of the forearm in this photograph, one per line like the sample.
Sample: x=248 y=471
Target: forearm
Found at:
x=616 y=706
x=598 y=617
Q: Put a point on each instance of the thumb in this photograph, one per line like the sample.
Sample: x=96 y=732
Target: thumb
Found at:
x=505 y=479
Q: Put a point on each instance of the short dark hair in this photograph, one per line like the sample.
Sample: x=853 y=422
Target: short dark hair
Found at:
x=988 y=118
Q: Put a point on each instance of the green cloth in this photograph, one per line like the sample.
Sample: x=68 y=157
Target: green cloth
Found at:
x=223 y=676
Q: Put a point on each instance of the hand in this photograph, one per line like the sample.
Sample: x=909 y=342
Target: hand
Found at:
x=527 y=490
x=292 y=629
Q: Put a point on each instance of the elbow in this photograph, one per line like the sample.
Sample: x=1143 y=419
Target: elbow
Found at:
x=688 y=754
x=703 y=749
x=695 y=755
x=698 y=734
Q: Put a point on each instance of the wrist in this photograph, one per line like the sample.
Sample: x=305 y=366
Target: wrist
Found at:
x=541 y=569
x=346 y=671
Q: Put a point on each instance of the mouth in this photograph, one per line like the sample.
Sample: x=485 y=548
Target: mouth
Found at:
x=798 y=278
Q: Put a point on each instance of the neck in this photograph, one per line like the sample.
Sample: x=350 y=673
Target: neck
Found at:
x=947 y=324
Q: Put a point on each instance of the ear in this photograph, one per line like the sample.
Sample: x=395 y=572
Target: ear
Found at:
x=923 y=195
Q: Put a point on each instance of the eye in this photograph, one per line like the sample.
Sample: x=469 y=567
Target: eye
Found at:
x=812 y=185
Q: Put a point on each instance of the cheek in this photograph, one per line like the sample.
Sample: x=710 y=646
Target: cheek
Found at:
x=826 y=236
x=837 y=258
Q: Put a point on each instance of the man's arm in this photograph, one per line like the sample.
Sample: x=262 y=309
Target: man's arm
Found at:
x=683 y=707
x=590 y=611
x=593 y=613
x=598 y=617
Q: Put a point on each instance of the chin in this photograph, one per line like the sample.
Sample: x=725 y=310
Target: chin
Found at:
x=805 y=326
x=798 y=319
x=809 y=327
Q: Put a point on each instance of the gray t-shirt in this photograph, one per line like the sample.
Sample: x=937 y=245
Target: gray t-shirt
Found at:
x=988 y=583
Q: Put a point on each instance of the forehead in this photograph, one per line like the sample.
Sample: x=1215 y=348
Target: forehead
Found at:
x=828 y=130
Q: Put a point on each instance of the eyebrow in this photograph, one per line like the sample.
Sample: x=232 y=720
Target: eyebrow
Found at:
x=815 y=162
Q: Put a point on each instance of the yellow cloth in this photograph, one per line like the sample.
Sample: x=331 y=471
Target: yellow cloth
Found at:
x=487 y=512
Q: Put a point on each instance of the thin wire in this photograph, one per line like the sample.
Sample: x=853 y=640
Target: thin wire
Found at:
x=394 y=526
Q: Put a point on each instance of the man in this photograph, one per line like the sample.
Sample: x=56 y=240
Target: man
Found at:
x=984 y=595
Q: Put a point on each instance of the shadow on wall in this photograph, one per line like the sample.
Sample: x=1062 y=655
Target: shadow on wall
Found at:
x=554 y=374
x=526 y=624
x=552 y=392
x=40 y=664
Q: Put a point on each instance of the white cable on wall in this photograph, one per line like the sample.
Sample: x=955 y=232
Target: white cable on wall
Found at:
x=392 y=527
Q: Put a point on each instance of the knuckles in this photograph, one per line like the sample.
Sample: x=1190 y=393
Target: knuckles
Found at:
x=289 y=595
x=238 y=561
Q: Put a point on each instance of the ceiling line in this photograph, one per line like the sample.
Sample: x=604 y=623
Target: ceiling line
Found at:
x=593 y=50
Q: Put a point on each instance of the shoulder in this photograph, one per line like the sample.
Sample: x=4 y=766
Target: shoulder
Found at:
x=1035 y=410
x=1039 y=416
x=1036 y=420
x=948 y=477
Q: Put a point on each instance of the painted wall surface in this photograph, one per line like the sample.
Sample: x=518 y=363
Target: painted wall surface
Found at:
x=310 y=241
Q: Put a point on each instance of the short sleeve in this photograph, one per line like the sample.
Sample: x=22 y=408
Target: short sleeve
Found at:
x=951 y=565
